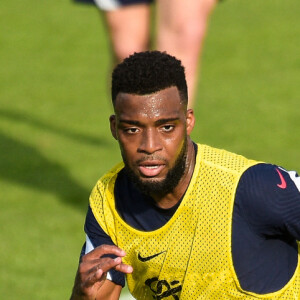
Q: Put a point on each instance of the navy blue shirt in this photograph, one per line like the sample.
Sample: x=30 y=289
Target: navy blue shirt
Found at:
x=266 y=225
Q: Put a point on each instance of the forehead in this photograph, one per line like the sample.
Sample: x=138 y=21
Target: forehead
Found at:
x=163 y=103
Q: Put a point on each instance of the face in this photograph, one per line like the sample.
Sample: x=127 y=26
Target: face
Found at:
x=152 y=132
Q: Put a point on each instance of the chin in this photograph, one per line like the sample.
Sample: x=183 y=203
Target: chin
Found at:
x=157 y=178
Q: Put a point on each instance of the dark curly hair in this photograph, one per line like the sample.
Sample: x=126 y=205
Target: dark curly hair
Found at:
x=148 y=72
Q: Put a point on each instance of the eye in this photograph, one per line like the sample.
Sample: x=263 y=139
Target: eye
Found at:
x=131 y=130
x=168 y=128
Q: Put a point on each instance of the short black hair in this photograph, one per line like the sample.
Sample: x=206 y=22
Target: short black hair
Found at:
x=148 y=72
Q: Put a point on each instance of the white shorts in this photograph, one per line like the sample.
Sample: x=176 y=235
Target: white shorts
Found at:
x=115 y=4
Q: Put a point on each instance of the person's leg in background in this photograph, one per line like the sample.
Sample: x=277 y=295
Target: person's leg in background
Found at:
x=128 y=26
x=181 y=28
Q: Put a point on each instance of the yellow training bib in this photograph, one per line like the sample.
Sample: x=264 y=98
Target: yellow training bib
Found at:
x=190 y=256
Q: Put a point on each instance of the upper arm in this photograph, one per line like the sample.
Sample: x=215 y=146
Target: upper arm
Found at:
x=269 y=199
x=97 y=237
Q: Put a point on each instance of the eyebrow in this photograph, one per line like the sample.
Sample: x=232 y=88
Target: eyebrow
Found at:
x=131 y=122
x=158 y=122
x=167 y=120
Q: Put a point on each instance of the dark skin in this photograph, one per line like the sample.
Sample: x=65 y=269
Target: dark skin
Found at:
x=151 y=131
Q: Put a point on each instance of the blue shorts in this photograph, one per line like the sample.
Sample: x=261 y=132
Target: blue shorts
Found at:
x=115 y=4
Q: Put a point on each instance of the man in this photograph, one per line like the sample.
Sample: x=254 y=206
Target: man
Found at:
x=182 y=220
x=180 y=30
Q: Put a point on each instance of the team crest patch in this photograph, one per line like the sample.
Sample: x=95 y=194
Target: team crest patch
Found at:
x=162 y=288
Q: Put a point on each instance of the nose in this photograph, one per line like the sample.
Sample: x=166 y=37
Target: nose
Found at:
x=150 y=141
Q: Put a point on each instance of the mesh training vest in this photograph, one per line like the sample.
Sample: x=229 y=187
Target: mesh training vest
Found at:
x=190 y=256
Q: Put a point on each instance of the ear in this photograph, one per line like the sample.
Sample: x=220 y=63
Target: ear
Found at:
x=113 y=126
x=190 y=121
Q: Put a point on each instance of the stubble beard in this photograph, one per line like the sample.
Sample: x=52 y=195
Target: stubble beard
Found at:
x=160 y=187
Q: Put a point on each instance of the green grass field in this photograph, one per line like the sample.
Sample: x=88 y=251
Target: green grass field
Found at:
x=54 y=108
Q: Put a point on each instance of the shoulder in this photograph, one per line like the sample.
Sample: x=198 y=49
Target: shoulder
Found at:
x=265 y=181
x=102 y=199
x=266 y=194
x=223 y=159
x=271 y=178
x=104 y=181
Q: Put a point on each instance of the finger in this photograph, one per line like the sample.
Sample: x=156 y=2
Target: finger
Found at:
x=104 y=249
x=124 y=268
x=99 y=271
x=97 y=276
x=104 y=264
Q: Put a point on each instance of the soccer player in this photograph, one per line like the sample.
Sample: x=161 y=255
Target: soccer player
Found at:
x=181 y=220
x=180 y=30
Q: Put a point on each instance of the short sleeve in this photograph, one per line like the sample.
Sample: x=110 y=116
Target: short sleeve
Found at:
x=271 y=200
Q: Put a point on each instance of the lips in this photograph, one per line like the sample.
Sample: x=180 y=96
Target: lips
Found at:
x=151 y=168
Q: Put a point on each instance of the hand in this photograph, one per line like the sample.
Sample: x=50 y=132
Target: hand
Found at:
x=93 y=268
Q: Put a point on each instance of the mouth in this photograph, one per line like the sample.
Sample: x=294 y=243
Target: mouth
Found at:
x=151 y=168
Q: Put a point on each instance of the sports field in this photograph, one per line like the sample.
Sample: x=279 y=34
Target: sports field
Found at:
x=54 y=108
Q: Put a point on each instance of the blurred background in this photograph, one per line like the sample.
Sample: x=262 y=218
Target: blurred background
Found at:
x=54 y=108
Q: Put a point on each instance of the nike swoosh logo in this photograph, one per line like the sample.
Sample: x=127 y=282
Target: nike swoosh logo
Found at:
x=282 y=185
x=143 y=259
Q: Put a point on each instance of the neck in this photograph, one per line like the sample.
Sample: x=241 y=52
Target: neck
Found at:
x=170 y=199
